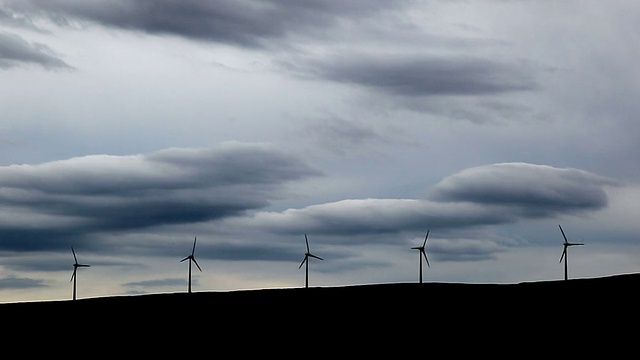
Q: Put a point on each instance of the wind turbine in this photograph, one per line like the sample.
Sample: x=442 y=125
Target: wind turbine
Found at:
x=306 y=261
x=76 y=265
x=422 y=253
x=564 y=252
x=191 y=259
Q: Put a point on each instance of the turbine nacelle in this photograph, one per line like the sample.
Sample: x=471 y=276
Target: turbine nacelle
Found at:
x=308 y=254
x=192 y=256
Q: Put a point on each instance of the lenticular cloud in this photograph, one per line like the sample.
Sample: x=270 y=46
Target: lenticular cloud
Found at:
x=101 y=193
x=525 y=185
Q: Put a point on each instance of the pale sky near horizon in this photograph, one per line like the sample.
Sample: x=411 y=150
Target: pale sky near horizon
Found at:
x=130 y=127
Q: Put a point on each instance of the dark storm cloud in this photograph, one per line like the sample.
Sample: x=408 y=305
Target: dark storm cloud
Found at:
x=34 y=236
x=420 y=75
x=485 y=195
x=536 y=190
x=15 y=51
x=54 y=204
x=247 y=23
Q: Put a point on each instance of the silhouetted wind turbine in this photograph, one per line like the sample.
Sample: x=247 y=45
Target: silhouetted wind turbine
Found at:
x=422 y=254
x=564 y=252
x=306 y=260
x=191 y=259
x=74 y=277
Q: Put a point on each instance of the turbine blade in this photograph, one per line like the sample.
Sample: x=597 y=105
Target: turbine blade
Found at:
x=564 y=252
x=562 y=231
x=74 y=255
x=73 y=275
x=302 y=263
x=194 y=246
x=425 y=257
x=185 y=258
x=317 y=257
x=306 y=241
x=425 y=239
x=195 y=262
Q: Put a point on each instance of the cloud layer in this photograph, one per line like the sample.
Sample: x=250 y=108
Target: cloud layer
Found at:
x=57 y=203
x=245 y=23
x=485 y=195
x=67 y=199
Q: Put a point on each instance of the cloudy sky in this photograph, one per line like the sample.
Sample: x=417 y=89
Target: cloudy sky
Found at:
x=131 y=128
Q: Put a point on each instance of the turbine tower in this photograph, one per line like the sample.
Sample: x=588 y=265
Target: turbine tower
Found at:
x=191 y=259
x=422 y=253
x=74 y=277
x=306 y=261
x=564 y=252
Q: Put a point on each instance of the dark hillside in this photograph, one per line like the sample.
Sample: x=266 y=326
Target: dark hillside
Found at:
x=388 y=311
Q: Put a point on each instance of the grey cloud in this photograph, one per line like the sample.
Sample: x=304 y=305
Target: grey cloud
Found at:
x=343 y=132
x=13 y=282
x=258 y=246
x=34 y=237
x=420 y=75
x=479 y=110
x=247 y=252
x=248 y=23
x=170 y=169
x=537 y=190
x=38 y=261
x=351 y=138
x=70 y=199
x=14 y=20
x=464 y=249
x=486 y=195
x=15 y=51
x=378 y=216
